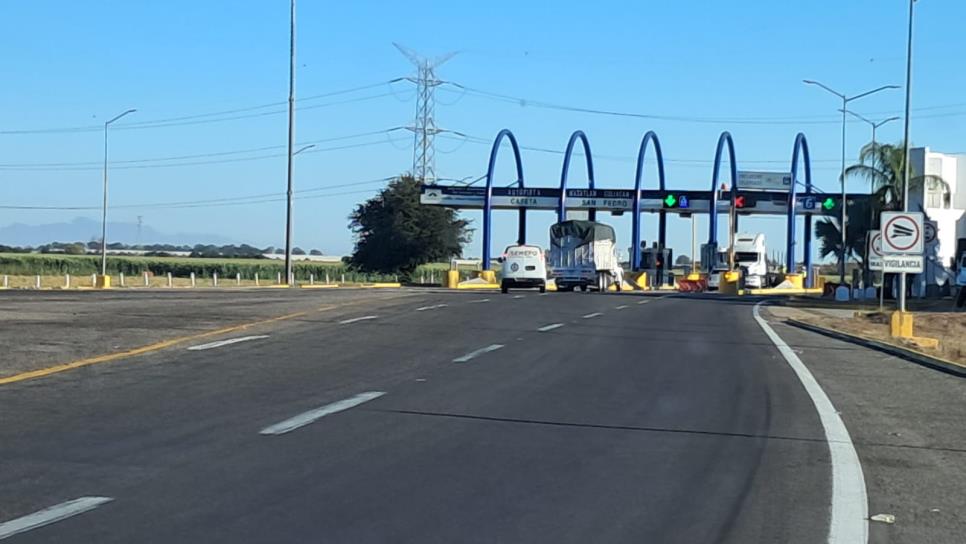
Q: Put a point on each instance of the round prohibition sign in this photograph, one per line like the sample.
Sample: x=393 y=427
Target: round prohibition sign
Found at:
x=877 y=244
x=906 y=223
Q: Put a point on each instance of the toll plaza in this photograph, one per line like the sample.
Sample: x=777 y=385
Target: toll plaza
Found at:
x=755 y=196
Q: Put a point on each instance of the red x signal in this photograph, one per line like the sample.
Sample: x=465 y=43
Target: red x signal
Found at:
x=739 y=201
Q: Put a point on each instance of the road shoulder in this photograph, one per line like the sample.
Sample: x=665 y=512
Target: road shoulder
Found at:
x=906 y=424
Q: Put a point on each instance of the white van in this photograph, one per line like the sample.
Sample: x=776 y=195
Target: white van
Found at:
x=523 y=266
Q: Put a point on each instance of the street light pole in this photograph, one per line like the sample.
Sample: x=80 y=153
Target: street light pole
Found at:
x=104 y=207
x=906 y=166
x=291 y=142
x=875 y=172
x=844 y=219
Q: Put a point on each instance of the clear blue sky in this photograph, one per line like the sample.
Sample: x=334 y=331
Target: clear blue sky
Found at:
x=75 y=64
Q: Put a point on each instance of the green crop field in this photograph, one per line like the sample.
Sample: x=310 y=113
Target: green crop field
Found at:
x=32 y=264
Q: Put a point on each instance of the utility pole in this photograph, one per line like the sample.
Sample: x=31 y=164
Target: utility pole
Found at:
x=291 y=142
x=905 y=137
x=104 y=208
x=424 y=126
x=140 y=222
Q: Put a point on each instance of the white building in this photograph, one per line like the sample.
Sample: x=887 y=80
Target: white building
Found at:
x=945 y=206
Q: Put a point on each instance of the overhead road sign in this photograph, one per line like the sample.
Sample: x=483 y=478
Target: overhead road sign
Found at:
x=874 y=251
x=910 y=264
x=764 y=181
x=600 y=199
x=622 y=200
x=902 y=233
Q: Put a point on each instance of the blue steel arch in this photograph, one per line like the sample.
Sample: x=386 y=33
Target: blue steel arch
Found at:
x=800 y=149
x=487 y=199
x=725 y=138
x=562 y=207
x=649 y=137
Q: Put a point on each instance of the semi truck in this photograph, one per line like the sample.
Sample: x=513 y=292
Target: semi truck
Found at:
x=583 y=255
x=751 y=258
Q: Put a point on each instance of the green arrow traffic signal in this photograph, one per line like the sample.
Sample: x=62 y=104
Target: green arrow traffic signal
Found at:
x=670 y=201
x=828 y=203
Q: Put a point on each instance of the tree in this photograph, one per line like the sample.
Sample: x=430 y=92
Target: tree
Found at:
x=77 y=248
x=298 y=251
x=883 y=166
x=315 y=252
x=394 y=233
x=682 y=260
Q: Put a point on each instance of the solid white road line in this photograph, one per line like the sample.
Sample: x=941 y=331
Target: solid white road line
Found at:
x=519 y=296
x=50 y=515
x=218 y=344
x=621 y=307
x=480 y=300
x=477 y=353
x=595 y=314
x=850 y=507
x=550 y=327
x=645 y=301
x=311 y=416
x=357 y=319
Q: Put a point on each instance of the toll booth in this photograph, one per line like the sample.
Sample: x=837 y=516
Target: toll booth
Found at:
x=657 y=262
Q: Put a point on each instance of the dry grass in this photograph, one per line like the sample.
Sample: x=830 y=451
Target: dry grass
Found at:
x=948 y=327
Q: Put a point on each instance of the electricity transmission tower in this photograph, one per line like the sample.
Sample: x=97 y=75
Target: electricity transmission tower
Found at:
x=424 y=127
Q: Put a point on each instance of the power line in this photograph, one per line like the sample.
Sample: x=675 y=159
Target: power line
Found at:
x=801 y=120
x=193 y=163
x=200 y=118
x=628 y=159
x=199 y=155
x=305 y=194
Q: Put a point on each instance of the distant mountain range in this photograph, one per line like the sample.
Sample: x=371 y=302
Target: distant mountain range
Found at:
x=82 y=229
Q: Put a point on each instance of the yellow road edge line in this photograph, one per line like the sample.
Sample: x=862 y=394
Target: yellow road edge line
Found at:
x=39 y=373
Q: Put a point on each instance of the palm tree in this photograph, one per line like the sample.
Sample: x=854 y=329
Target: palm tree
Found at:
x=883 y=166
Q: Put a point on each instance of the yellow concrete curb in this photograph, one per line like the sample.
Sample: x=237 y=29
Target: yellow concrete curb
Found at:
x=478 y=286
x=319 y=286
x=771 y=291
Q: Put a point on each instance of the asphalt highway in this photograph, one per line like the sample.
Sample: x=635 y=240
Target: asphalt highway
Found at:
x=436 y=417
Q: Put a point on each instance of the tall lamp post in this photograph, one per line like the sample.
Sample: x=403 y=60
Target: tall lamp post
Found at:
x=291 y=143
x=104 y=207
x=905 y=137
x=875 y=125
x=845 y=103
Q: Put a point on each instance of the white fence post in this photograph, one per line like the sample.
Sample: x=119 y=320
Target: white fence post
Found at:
x=170 y=283
x=256 y=279
x=311 y=279
x=214 y=279
x=66 y=281
x=278 y=280
x=93 y=280
x=237 y=278
x=326 y=277
x=121 y=278
x=192 y=279
x=147 y=282
x=6 y=281
x=343 y=278
x=38 y=281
